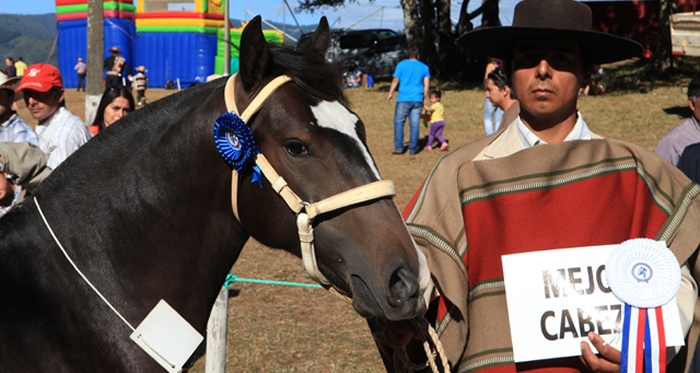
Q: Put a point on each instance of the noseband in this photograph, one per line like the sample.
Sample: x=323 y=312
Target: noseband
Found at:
x=306 y=212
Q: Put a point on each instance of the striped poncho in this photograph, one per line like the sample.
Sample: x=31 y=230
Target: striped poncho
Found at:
x=467 y=214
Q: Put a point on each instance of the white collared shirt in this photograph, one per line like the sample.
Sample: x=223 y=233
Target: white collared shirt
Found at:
x=61 y=135
x=528 y=139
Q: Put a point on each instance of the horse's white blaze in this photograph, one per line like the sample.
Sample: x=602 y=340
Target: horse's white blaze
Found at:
x=336 y=116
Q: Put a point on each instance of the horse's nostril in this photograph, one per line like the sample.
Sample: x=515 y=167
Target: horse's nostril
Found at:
x=402 y=286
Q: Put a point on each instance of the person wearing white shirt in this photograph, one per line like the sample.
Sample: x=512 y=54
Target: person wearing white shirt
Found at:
x=60 y=131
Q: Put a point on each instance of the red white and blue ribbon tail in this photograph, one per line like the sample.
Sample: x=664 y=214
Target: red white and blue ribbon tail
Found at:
x=643 y=328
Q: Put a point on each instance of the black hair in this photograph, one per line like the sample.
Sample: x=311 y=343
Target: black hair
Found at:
x=11 y=59
x=413 y=52
x=498 y=77
x=107 y=97
x=694 y=87
x=436 y=92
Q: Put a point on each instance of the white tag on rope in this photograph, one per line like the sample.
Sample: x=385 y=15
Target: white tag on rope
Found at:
x=167 y=337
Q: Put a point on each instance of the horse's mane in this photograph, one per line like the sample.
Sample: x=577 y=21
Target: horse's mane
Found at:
x=312 y=73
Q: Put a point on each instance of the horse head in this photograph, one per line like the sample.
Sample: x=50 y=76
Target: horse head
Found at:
x=315 y=146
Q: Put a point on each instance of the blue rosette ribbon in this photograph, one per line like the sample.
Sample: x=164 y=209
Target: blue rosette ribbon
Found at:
x=236 y=144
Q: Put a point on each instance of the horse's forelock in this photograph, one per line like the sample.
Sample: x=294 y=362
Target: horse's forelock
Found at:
x=317 y=77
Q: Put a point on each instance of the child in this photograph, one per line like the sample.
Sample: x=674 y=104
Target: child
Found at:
x=140 y=83
x=437 y=120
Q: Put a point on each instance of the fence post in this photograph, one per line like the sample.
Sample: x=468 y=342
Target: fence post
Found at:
x=216 y=334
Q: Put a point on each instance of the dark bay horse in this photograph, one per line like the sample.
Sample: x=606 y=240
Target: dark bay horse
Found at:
x=144 y=212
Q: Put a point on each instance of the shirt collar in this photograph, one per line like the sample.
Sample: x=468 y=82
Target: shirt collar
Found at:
x=13 y=118
x=528 y=139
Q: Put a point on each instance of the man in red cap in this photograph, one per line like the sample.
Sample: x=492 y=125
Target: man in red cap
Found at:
x=60 y=131
x=544 y=181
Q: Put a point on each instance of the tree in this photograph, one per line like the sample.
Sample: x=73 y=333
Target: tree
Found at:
x=661 y=60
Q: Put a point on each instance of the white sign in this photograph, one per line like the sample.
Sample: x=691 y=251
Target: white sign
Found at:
x=555 y=297
x=167 y=337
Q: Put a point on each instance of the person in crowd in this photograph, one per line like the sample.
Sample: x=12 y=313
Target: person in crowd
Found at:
x=117 y=69
x=437 y=120
x=12 y=127
x=671 y=146
x=20 y=66
x=140 y=84
x=10 y=70
x=501 y=96
x=689 y=162
x=81 y=69
x=115 y=103
x=596 y=86
x=492 y=115
x=60 y=131
x=412 y=77
x=22 y=167
x=353 y=77
x=544 y=182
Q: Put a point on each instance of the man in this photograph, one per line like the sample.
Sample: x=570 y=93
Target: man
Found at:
x=22 y=168
x=671 y=146
x=12 y=127
x=544 y=182
x=413 y=76
x=117 y=69
x=20 y=66
x=501 y=96
x=81 y=69
x=10 y=70
x=60 y=131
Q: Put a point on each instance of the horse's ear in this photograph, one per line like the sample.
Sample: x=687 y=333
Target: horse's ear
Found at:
x=320 y=40
x=255 y=54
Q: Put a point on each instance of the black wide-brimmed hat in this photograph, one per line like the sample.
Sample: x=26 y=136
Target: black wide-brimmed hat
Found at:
x=557 y=19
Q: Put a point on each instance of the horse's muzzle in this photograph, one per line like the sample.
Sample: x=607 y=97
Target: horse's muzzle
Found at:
x=400 y=298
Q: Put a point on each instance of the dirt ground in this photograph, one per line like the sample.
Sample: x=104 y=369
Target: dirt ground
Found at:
x=290 y=329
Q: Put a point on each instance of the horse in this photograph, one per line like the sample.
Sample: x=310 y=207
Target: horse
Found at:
x=151 y=210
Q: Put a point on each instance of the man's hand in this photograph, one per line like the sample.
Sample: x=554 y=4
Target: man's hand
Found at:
x=391 y=94
x=607 y=360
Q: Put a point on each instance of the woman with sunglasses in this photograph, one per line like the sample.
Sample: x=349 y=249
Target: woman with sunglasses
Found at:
x=115 y=103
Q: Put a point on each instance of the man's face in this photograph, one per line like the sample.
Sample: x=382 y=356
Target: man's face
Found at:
x=42 y=105
x=6 y=99
x=694 y=106
x=547 y=75
x=8 y=62
x=493 y=94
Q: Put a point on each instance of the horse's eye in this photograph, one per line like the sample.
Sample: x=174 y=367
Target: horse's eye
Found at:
x=296 y=148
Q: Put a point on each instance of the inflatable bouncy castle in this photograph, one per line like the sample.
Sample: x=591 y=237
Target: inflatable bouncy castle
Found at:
x=175 y=44
x=71 y=24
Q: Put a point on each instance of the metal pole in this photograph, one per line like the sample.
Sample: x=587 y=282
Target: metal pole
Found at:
x=364 y=18
x=294 y=17
x=215 y=361
x=227 y=39
x=95 y=58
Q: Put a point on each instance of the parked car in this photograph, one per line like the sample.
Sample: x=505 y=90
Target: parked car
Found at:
x=381 y=59
x=345 y=44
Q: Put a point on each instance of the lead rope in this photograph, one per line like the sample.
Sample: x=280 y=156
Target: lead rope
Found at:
x=403 y=364
x=46 y=223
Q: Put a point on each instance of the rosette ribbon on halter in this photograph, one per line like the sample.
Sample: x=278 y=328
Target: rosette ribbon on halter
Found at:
x=235 y=142
x=645 y=275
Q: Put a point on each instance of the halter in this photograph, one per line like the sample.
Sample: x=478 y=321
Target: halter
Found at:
x=305 y=211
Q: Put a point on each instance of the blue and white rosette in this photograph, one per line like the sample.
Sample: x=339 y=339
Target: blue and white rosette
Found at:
x=645 y=275
x=236 y=144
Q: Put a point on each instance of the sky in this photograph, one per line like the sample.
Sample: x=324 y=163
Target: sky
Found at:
x=275 y=10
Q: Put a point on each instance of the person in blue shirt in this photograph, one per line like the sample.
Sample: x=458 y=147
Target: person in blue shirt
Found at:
x=412 y=77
